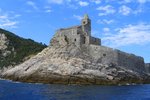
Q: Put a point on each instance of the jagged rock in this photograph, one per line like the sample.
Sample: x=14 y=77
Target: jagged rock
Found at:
x=59 y=65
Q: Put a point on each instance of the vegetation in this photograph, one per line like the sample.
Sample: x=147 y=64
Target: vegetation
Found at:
x=20 y=49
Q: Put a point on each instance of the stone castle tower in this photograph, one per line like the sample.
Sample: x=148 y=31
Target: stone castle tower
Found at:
x=86 y=25
x=79 y=35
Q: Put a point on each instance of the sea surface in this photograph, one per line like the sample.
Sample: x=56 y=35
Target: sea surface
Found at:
x=26 y=91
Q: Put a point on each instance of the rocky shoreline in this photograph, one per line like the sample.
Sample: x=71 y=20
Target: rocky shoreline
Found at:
x=58 y=79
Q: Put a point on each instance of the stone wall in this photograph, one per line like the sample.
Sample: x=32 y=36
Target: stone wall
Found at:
x=147 y=67
x=67 y=36
x=103 y=54
x=111 y=57
x=95 y=41
x=130 y=61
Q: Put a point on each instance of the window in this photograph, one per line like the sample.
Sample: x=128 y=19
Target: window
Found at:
x=75 y=40
x=84 y=22
x=104 y=55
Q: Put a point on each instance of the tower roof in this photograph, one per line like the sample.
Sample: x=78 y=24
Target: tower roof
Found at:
x=86 y=16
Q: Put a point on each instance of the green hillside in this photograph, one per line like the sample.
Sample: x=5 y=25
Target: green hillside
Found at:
x=18 y=49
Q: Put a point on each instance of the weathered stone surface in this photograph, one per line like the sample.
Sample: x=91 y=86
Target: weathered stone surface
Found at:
x=147 y=68
x=4 y=45
x=69 y=65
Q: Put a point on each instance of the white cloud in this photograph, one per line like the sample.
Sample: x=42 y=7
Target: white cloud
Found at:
x=78 y=17
x=105 y=21
x=125 y=1
x=106 y=29
x=47 y=9
x=134 y=1
x=32 y=4
x=8 y=20
x=106 y=10
x=55 y=1
x=58 y=1
x=8 y=24
x=131 y=34
x=124 y=10
x=83 y=3
x=96 y=1
x=142 y=1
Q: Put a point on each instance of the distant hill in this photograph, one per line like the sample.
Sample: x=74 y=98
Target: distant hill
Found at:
x=15 y=49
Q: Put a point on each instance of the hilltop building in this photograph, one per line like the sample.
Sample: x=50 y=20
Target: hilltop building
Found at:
x=79 y=34
x=81 y=37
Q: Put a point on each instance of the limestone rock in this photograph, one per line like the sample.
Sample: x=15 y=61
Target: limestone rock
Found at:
x=68 y=65
x=4 y=45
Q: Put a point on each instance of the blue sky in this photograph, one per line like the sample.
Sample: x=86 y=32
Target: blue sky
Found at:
x=121 y=24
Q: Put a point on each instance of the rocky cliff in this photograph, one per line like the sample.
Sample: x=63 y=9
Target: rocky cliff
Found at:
x=69 y=64
x=14 y=49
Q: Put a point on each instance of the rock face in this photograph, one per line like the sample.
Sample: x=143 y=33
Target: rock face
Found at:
x=4 y=45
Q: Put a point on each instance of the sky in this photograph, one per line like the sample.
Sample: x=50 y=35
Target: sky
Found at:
x=121 y=24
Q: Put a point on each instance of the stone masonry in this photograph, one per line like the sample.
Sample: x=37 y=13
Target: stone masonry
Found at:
x=81 y=37
x=147 y=67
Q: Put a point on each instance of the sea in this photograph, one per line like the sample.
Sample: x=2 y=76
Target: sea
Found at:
x=30 y=91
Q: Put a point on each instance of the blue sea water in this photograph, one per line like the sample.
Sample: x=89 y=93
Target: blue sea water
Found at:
x=27 y=91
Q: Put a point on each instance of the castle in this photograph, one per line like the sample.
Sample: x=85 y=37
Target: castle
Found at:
x=81 y=37
x=79 y=34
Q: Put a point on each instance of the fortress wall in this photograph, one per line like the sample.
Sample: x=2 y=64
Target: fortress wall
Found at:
x=95 y=41
x=147 y=67
x=130 y=61
x=109 y=56
x=103 y=54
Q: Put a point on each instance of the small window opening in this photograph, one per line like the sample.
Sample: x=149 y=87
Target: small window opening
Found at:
x=84 y=22
x=104 y=55
x=75 y=40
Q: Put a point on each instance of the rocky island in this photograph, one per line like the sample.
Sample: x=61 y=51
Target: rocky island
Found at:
x=75 y=57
